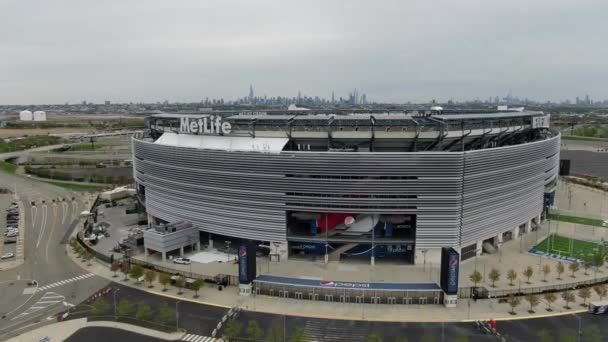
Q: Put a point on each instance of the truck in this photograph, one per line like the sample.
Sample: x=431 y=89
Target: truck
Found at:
x=599 y=307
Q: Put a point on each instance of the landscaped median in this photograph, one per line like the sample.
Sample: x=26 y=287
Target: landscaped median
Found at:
x=577 y=220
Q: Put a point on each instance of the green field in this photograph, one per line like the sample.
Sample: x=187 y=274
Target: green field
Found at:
x=27 y=143
x=576 y=219
x=578 y=137
x=8 y=167
x=76 y=187
x=564 y=246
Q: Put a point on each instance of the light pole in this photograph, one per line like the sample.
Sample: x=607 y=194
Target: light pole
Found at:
x=177 y=315
x=115 y=315
x=580 y=325
x=424 y=258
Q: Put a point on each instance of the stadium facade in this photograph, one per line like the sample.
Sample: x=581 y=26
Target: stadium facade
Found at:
x=347 y=185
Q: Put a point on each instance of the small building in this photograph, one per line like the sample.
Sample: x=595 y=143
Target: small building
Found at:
x=25 y=115
x=39 y=115
x=165 y=238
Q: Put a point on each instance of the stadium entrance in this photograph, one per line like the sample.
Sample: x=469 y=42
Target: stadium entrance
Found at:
x=350 y=237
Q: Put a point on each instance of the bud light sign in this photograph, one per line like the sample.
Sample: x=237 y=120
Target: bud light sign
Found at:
x=243 y=271
x=450 y=260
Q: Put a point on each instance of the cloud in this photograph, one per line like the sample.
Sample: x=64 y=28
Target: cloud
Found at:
x=59 y=51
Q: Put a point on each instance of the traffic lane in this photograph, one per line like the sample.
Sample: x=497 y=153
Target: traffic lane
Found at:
x=103 y=334
x=527 y=329
x=195 y=318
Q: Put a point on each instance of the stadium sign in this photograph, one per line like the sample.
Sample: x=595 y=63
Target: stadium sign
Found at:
x=209 y=124
x=344 y=284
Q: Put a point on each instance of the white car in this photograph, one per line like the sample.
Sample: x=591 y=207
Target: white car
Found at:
x=7 y=256
x=182 y=261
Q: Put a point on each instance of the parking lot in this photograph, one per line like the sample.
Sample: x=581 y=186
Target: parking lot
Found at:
x=8 y=243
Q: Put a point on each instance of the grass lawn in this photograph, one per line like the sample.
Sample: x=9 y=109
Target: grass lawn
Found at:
x=8 y=167
x=564 y=246
x=577 y=219
x=579 y=137
x=76 y=187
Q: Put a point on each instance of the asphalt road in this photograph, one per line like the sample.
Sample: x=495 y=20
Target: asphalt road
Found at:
x=100 y=334
x=59 y=279
x=587 y=163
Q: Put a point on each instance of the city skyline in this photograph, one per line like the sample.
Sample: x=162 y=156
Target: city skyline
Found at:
x=397 y=52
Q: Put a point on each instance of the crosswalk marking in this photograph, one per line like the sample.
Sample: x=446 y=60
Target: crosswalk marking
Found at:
x=64 y=282
x=197 y=338
x=47 y=300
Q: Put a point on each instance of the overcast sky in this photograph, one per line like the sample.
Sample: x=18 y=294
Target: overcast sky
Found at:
x=131 y=51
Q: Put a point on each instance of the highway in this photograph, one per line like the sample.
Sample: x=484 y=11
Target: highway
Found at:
x=59 y=280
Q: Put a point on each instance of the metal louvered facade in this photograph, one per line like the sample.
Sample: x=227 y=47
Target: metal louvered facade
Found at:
x=458 y=197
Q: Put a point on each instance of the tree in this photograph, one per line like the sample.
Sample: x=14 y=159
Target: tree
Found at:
x=114 y=268
x=232 y=330
x=144 y=312
x=150 y=276
x=101 y=306
x=166 y=314
x=179 y=283
x=254 y=331
x=533 y=300
x=568 y=297
x=125 y=308
x=275 y=333
x=560 y=269
x=125 y=270
x=373 y=338
x=164 y=279
x=494 y=276
x=136 y=272
x=88 y=256
x=584 y=293
x=196 y=286
x=574 y=267
x=601 y=290
x=299 y=335
x=550 y=298
x=513 y=303
x=587 y=263
x=545 y=336
x=592 y=333
x=511 y=275
x=528 y=272
x=475 y=278
x=546 y=270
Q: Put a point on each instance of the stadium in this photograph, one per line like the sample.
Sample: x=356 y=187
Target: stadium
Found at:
x=345 y=186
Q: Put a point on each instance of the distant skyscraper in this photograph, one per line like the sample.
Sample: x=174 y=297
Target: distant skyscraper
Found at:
x=333 y=97
x=251 y=93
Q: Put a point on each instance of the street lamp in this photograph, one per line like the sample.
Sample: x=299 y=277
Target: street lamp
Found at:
x=177 y=315
x=114 y=295
x=580 y=325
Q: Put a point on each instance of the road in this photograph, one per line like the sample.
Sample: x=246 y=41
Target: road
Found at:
x=59 y=279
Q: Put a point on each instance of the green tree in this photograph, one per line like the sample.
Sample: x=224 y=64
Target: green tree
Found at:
x=196 y=286
x=568 y=297
x=584 y=293
x=587 y=263
x=513 y=302
x=574 y=267
x=179 y=283
x=144 y=312
x=494 y=276
x=592 y=333
x=115 y=267
x=546 y=270
x=545 y=336
x=254 y=331
x=125 y=308
x=275 y=333
x=373 y=338
x=166 y=314
x=549 y=298
x=475 y=278
x=560 y=269
x=232 y=331
x=299 y=335
x=533 y=300
x=101 y=306
x=528 y=272
x=164 y=279
x=150 y=276
x=511 y=275
x=136 y=272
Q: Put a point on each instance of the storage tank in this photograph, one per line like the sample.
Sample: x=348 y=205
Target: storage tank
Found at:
x=25 y=115
x=39 y=115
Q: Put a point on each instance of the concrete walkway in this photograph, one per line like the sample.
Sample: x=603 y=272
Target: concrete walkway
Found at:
x=62 y=330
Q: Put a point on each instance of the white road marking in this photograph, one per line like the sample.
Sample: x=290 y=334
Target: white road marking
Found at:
x=197 y=338
x=44 y=302
x=42 y=224
x=65 y=282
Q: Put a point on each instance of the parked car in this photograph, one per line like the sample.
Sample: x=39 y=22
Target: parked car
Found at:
x=182 y=261
x=7 y=256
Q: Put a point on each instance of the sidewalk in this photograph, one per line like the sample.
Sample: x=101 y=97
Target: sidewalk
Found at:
x=62 y=330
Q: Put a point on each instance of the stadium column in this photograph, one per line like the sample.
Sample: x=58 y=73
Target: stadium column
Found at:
x=538 y=218
x=515 y=232
x=499 y=238
x=479 y=247
x=528 y=227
